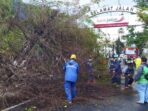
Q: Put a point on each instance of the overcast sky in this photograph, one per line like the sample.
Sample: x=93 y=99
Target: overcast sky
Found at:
x=103 y=2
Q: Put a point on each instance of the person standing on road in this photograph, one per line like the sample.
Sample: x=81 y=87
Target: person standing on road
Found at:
x=137 y=62
x=71 y=69
x=111 y=66
x=142 y=82
x=129 y=72
x=116 y=77
x=89 y=68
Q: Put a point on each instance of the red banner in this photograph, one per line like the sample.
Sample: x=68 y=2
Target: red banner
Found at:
x=111 y=25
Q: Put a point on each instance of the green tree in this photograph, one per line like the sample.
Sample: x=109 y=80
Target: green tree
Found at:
x=143 y=13
x=138 y=38
x=119 y=46
x=142 y=39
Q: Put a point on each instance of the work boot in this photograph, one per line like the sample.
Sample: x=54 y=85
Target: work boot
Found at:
x=70 y=102
x=139 y=102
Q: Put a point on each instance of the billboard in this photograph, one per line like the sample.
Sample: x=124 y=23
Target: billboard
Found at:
x=116 y=21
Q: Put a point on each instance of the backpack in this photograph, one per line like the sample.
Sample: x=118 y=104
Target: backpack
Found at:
x=145 y=72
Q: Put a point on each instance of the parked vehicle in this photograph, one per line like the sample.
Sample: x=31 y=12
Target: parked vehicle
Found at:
x=131 y=52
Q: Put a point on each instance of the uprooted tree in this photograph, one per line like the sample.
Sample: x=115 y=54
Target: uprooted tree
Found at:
x=35 y=42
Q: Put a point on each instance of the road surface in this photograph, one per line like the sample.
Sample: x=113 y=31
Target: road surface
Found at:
x=126 y=101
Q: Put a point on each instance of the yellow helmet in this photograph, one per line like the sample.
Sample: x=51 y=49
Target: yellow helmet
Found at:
x=73 y=56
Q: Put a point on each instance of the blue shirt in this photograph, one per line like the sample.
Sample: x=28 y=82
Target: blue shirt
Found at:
x=71 y=69
x=89 y=67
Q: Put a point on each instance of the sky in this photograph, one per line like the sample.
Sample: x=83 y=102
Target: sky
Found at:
x=110 y=33
x=102 y=3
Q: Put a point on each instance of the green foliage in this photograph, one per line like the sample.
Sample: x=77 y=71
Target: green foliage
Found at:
x=11 y=38
x=5 y=9
x=11 y=42
x=140 y=39
x=131 y=36
x=31 y=108
x=143 y=5
x=143 y=16
x=89 y=38
x=119 y=46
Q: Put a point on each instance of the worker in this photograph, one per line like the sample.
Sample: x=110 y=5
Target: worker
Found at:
x=71 y=69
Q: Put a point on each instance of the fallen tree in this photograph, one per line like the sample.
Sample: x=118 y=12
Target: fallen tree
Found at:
x=38 y=40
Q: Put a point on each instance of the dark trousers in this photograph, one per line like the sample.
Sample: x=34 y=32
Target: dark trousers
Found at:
x=128 y=80
x=116 y=79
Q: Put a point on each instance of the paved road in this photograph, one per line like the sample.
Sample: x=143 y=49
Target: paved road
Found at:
x=126 y=101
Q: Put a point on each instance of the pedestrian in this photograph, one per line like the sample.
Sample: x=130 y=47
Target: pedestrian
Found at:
x=71 y=69
x=124 y=66
x=142 y=82
x=129 y=72
x=89 y=69
x=111 y=66
x=137 y=62
x=116 y=77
